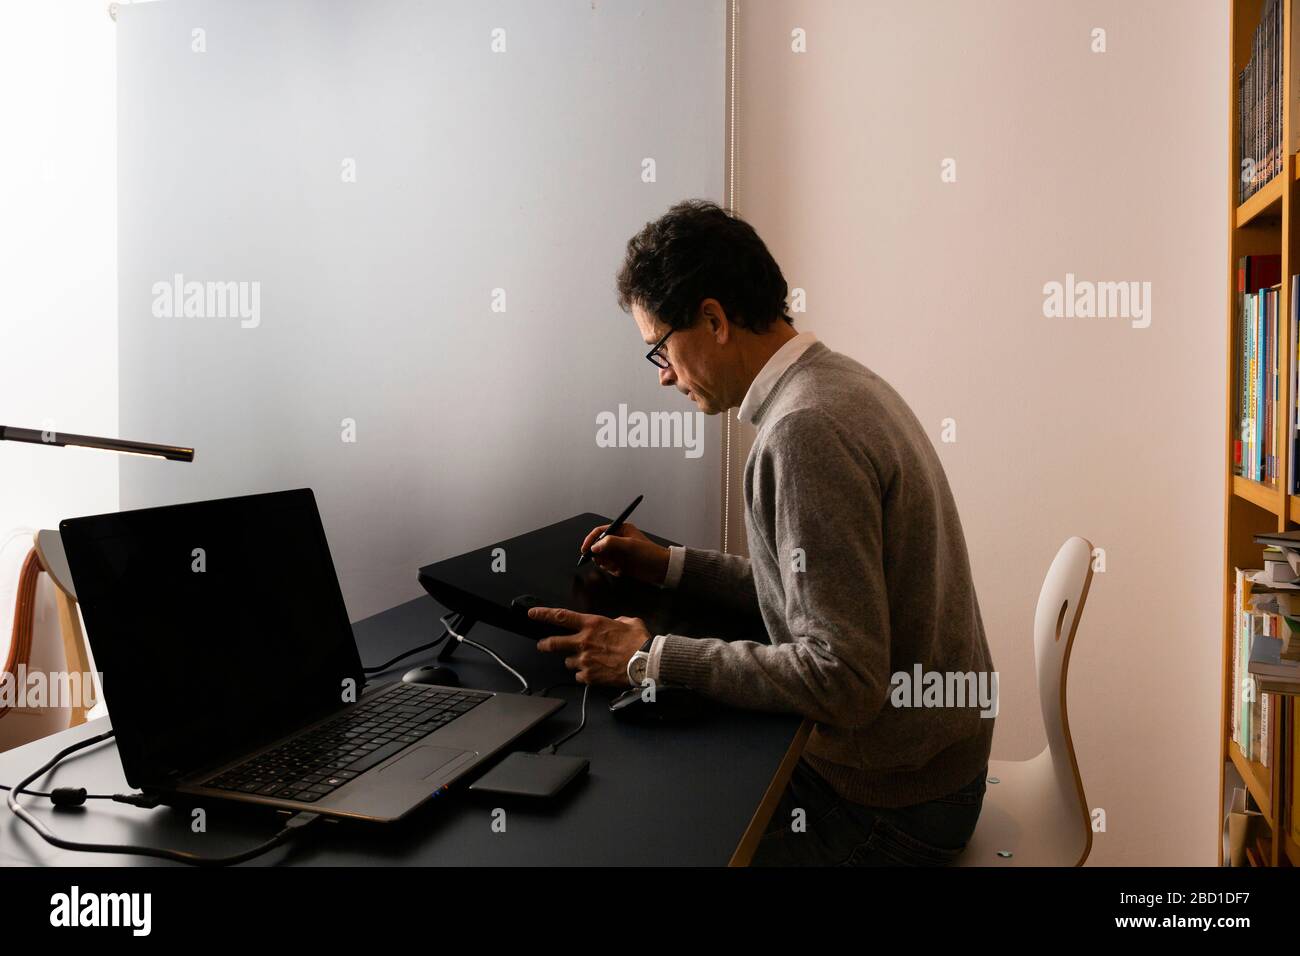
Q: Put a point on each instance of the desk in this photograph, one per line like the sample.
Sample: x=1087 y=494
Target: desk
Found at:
x=696 y=793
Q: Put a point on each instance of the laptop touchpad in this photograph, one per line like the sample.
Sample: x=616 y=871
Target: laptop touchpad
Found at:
x=423 y=761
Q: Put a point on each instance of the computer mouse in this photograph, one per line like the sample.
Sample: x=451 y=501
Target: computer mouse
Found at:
x=669 y=703
x=432 y=674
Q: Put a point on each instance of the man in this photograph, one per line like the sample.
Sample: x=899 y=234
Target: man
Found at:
x=858 y=568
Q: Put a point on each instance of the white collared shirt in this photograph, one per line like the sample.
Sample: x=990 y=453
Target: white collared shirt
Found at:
x=770 y=373
x=759 y=389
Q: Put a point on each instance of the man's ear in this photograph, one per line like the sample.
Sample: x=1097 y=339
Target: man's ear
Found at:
x=712 y=312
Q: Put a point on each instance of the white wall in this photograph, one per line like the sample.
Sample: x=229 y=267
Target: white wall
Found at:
x=58 y=250
x=474 y=170
x=1108 y=165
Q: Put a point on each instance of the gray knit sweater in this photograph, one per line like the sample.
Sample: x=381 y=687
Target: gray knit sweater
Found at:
x=859 y=571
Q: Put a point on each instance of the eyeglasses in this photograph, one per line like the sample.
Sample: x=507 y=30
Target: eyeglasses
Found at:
x=656 y=355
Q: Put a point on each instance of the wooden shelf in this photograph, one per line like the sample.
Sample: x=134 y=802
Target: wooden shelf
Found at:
x=1268 y=223
x=1258 y=780
x=1257 y=493
x=1260 y=853
x=1267 y=203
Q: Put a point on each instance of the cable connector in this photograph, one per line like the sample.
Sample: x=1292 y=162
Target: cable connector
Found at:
x=299 y=820
x=68 y=796
x=143 y=800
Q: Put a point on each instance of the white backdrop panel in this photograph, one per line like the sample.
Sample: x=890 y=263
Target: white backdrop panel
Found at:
x=475 y=171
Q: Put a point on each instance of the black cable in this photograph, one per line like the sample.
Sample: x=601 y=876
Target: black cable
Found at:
x=380 y=668
x=64 y=796
x=295 y=824
x=77 y=796
x=582 y=721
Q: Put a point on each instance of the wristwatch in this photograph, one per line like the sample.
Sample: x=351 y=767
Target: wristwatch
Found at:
x=639 y=663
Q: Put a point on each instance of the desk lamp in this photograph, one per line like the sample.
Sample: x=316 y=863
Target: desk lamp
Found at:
x=35 y=436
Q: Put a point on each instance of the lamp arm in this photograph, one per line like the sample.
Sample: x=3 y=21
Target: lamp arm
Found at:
x=61 y=439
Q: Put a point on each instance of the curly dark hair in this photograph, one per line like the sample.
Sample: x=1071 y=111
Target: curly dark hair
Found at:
x=696 y=251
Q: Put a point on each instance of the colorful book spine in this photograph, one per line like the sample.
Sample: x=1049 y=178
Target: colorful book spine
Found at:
x=1261 y=435
x=1254 y=388
x=1270 y=382
x=1295 y=385
x=1264 y=351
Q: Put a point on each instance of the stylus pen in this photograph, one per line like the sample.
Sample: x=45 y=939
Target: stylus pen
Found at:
x=612 y=529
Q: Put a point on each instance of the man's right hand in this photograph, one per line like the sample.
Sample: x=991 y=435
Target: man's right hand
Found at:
x=628 y=553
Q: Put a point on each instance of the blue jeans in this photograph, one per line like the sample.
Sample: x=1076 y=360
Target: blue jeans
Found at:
x=842 y=833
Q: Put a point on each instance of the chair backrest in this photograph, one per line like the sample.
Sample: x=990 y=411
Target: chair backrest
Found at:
x=47 y=641
x=1060 y=605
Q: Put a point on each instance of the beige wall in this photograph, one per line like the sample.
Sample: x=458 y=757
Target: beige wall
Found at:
x=1106 y=165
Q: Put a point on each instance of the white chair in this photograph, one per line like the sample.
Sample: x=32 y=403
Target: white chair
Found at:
x=47 y=638
x=1036 y=813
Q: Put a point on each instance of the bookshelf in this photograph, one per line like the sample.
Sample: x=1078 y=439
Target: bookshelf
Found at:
x=1265 y=224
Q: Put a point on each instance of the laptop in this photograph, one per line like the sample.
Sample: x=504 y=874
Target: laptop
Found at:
x=231 y=672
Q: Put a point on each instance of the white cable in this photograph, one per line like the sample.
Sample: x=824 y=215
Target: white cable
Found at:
x=731 y=205
x=731 y=202
x=486 y=650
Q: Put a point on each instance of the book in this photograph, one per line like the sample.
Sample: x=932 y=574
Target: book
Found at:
x=1259 y=104
x=1280 y=539
x=1295 y=763
x=1257 y=619
x=1290 y=640
x=1279 y=573
x=1255 y=448
x=1266 y=661
x=1294 y=414
x=1238 y=596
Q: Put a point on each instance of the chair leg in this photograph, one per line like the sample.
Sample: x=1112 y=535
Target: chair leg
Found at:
x=74 y=652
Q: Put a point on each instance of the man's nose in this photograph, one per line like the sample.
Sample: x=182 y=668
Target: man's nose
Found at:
x=666 y=376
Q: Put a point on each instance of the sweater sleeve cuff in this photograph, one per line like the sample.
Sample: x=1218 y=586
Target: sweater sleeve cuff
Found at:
x=680 y=662
x=656 y=650
x=676 y=562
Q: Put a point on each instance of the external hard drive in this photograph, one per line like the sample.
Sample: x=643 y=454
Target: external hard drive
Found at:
x=531 y=775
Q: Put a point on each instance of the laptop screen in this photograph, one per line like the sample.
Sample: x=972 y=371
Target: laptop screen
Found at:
x=218 y=627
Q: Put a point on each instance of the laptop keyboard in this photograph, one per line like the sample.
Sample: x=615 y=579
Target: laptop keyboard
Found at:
x=314 y=764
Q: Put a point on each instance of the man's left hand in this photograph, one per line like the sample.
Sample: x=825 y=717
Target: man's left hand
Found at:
x=598 y=647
